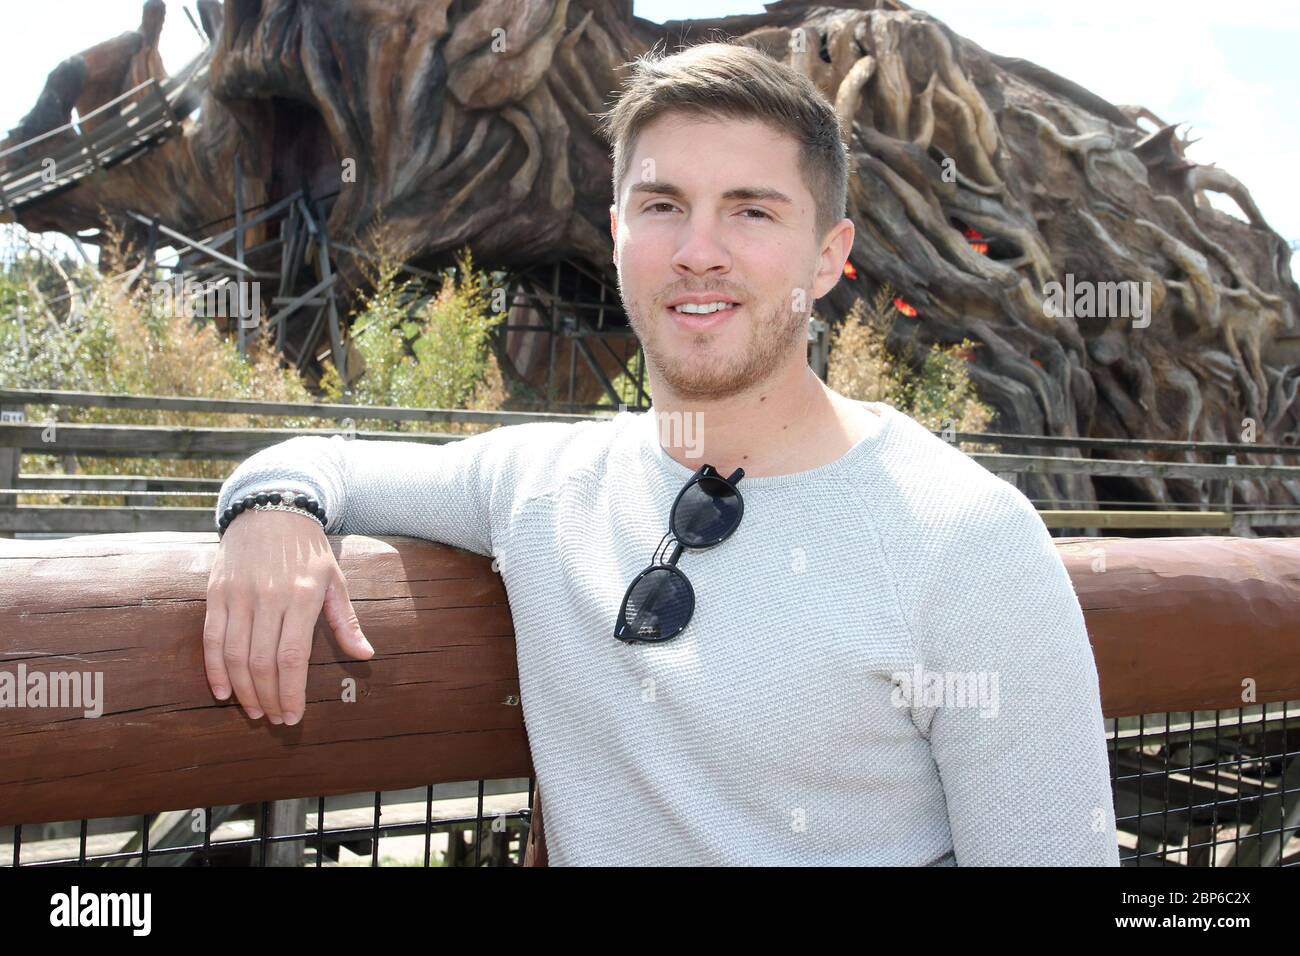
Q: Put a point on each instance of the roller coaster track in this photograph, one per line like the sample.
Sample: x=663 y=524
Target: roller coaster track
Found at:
x=112 y=134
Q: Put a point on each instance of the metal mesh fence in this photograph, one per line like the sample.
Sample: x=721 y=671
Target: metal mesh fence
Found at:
x=481 y=823
x=1208 y=788
x=1200 y=788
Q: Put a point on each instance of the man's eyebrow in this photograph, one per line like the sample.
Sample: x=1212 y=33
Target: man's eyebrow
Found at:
x=752 y=193
x=758 y=194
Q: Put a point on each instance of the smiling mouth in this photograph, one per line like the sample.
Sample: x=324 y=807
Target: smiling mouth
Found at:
x=698 y=322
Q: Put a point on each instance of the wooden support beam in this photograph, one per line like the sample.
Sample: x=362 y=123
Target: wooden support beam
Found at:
x=311 y=250
x=267 y=214
x=151 y=248
x=1124 y=445
x=291 y=263
x=160 y=101
x=10 y=457
x=242 y=310
x=195 y=244
x=291 y=305
x=314 y=332
x=337 y=350
x=641 y=392
x=597 y=371
x=405 y=266
x=91 y=483
x=307 y=217
x=555 y=332
x=1127 y=468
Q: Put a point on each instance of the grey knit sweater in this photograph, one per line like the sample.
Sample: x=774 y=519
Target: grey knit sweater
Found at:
x=887 y=663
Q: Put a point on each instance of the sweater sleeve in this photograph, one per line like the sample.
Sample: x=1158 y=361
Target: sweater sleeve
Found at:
x=459 y=493
x=1022 y=755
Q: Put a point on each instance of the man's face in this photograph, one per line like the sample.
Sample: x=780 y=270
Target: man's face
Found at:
x=719 y=207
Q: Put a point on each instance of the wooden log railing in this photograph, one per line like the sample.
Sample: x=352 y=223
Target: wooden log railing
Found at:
x=1176 y=624
x=439 y=702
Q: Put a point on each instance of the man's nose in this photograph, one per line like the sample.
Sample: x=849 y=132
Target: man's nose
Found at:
x=702 y=247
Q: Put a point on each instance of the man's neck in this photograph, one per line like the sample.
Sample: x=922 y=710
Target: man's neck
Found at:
x=789 y=424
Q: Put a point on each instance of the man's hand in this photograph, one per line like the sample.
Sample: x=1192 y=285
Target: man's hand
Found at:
x=273 y=572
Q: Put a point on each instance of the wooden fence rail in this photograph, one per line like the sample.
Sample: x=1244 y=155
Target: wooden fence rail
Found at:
x=179 y=442
x=143 y=512
x=1175 y=624
x=22 y=396
x=438 y=703
x=324 y=410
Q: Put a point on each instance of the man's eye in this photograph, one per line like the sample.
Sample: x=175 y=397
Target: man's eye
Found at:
x=657 y=205
x=759 y=211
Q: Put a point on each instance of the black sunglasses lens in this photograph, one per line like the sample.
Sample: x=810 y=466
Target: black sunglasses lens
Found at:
x=658 y=606
x=706 y=513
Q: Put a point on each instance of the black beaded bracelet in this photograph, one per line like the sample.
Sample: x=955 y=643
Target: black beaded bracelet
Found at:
x=273 y=501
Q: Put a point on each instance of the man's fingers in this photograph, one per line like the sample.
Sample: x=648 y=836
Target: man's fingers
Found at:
x=263 y=661
x=214 y=640
x=342 y=618
x=234 y=654
x=295 y=655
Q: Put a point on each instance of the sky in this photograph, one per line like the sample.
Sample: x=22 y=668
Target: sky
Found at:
x=1225 y=68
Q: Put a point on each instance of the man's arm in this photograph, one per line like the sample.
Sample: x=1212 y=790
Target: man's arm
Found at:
x=1023 y=758
x=274 y=574
x=459 y=493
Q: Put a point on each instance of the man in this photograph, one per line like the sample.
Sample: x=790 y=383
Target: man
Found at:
x=882 y=659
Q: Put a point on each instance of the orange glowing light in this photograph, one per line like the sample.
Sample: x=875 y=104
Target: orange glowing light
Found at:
x=902 y=306
x=976 y=240
x=850 y=271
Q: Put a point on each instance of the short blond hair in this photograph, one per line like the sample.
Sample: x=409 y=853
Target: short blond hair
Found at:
x=736 y=81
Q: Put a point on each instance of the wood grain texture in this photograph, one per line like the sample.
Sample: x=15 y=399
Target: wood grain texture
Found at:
x=1175 y=624
x=438 y=703
x=473 y=123
x=1180 y=623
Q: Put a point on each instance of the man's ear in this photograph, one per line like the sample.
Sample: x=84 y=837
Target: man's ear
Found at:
x=613 y=229
x=835 y=252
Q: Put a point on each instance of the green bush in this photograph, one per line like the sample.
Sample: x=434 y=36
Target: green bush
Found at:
x=418 y=347
x=937 y=392
x=423 y=351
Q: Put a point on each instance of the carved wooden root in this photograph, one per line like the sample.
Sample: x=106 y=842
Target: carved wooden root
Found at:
x=461 y=133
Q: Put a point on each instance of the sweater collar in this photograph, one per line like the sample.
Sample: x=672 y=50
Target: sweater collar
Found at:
x=649 y=429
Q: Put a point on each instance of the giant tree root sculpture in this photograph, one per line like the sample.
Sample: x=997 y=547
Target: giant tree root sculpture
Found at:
x=980 y=181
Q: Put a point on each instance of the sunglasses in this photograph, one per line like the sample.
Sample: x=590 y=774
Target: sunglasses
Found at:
x=660 y=601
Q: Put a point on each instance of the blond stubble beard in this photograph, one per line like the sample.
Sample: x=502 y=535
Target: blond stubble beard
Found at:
x=766 y=348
